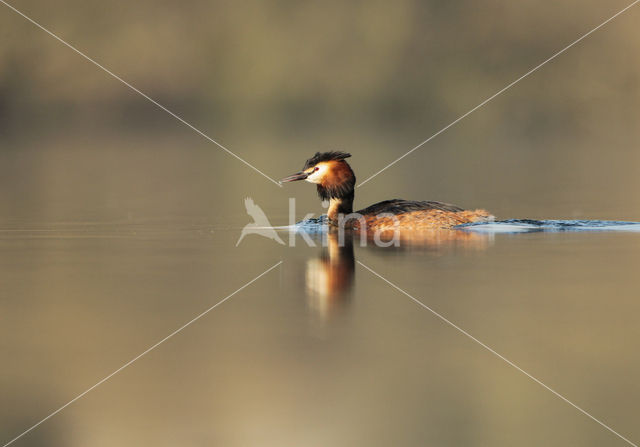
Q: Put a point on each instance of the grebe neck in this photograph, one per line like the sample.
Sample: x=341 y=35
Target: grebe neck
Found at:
x=338 y=187
x=339 y=205
x=340 y=200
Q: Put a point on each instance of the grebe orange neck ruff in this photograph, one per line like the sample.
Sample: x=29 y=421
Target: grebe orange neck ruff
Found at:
x=335 y=181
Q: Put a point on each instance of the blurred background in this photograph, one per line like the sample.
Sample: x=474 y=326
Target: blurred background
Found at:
x=118 y=223
x=276 y=81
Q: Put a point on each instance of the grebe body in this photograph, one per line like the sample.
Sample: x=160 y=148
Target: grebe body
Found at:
x=336 y=181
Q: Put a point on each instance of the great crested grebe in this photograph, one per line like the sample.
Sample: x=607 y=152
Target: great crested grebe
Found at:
x=336 y=182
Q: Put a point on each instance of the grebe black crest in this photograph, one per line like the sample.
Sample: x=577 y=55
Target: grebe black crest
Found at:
x=335 y=181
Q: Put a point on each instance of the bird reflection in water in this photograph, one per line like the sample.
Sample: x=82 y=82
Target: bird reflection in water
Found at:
x=329 y=277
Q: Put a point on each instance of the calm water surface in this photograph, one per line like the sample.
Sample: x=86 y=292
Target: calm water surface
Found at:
x=319 y=351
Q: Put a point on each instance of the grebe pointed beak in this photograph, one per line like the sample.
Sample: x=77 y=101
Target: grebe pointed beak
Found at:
x=295 y=177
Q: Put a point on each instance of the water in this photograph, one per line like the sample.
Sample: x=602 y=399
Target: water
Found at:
x=319 y=351
x=530 y=225
x=319 y=225
x=104 y=252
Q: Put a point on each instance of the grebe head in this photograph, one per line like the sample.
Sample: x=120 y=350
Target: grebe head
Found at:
x=330 y=172
x=334 y=179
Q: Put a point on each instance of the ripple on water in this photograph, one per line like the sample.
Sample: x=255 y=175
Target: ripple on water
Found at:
x=319 y=225
x=530 y=226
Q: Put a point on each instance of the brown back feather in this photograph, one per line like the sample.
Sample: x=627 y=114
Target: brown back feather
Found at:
x=400 y=206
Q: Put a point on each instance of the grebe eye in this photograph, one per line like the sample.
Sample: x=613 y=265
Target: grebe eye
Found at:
x=315 y=169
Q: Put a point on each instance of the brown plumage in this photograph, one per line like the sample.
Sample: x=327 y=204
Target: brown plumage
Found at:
x=335 y=182
x=413 y=215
